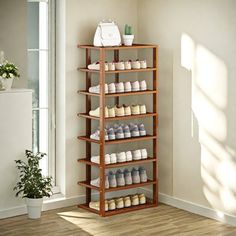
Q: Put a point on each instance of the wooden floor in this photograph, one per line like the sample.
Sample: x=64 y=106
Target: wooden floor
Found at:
x=160 y=221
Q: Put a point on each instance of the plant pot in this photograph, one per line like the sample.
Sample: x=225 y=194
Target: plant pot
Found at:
x=6 y=83
x=34 y=207
x=128 y=40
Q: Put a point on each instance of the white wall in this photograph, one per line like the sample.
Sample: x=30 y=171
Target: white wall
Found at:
x=197 y=70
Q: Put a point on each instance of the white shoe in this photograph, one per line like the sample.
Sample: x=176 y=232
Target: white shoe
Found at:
x=120 y=87
x=113 y=158
x=136 y=154
x=142 y=198
x=96 y=159
x=96 y=89
x=121 y=157
x=96 y=112
x=119 y=203
x=96 y=66
x=135 y=86
x=143 y=64
x=128 y=86
x=128 y=155
x=119 y=111
x=111 y=205
x=96 y=182
x=128 y=65
x=127 y=110
x=144 y=154
x=96 y=205
x=143 y=85
x=127 y=201
x=142 y=109
x=135 y=64
x=111 y=88
x=135 y=200
x=135 y=110
x=120 y=65
x=111 y=112
x=111 y=66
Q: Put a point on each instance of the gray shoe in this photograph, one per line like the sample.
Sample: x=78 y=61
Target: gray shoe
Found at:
x=112 y=180
x=128 y=177
x=111 y=134
x=134 y=130
x=142 y=130
x=143 y=174
x=135 y=176
x=120 y=178
x=119 y=133
x=127 y=131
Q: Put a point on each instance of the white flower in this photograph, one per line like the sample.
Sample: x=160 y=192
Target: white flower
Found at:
x=11 y=75
x=4 y=75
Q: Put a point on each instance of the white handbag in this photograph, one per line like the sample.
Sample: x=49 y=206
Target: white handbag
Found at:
x=107 y=34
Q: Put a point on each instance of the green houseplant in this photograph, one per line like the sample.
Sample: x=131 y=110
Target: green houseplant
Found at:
x=32 y=185
x=128 y=37
x=8 y=72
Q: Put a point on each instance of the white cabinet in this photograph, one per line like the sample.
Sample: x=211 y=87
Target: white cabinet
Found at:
x=15 y=137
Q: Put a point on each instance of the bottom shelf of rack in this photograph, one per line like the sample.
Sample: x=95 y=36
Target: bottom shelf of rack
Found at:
x=119 y=211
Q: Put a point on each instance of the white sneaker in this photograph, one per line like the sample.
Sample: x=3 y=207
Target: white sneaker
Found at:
x=142 y=109
x=121 y=157
x=111 y=88
x=119 y=111
x=96 y=89
x=111 y=66
x=143 y=64
x=119 y=203
x=129 y=156
x=142 y=198
x=128 y=87
x=143 y=85
x=135 y=86
x=96 y=66
x=135 y=200
x=127 y=110
x=111 y=205
x=136 y=155
x=120 y=87
x=128 y=65
x=127 y=201
x=144 y=154
x=96 y=159
x=96 y=205
x=135 y=64
x=111 y=112
x=120 y=65
x=113 y=158
x=135 y=110
x=96 y=112
x=96 y=182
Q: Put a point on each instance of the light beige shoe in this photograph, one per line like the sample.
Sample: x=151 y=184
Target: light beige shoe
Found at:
x=96 y=66
x=111 y=66
x=111 y=112
x=120 y=65
x=96 y=112
x=143 y=64
x=119 y=203
x=142 y=198
x=127 y=201
x=135 y=64
x=111 y=205
x=134 y=200
x=96 y=205
x=119 y=111
x=127 y=110
x=128 y=65
x=135 y=110
x=142 y=109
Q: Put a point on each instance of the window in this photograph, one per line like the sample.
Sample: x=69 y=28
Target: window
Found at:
x=41 y=75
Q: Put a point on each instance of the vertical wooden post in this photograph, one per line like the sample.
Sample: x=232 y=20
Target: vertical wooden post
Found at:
x=102 y=133
x=116 y=58
x=155 y=125
x=88 y=125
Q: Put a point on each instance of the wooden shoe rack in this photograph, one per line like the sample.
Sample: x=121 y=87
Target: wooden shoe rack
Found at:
x=102 y=121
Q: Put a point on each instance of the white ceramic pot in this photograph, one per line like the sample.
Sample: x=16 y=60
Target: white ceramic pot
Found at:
x=34 y=207
x=6 y=83
x=128 y=40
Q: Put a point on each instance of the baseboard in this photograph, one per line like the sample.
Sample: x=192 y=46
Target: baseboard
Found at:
x=193 y=208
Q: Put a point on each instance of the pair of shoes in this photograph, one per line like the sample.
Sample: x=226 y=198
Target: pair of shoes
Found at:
x=96 y=135
x=138 y=199
x=121 y=87
x=137 y=130
x=139 y=175
x=138 y=109
x=96 y=66
x=96 y=182
x=139 y=154
x=128 y=65
x=96 y=205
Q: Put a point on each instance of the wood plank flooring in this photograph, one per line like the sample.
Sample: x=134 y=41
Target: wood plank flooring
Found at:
x=161 y=221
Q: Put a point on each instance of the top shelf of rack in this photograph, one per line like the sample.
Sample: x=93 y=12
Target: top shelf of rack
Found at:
x=122 y=47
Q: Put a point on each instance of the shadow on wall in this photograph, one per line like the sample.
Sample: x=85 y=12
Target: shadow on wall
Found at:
x=210 y=107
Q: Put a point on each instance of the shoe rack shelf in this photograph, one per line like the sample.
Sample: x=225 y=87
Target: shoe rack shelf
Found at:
x=102 y=122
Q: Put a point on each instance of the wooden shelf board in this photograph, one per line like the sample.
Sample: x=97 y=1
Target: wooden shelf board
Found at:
x=125 y=140
x=148 y=160
x=118 y=94
x=88 y=185
x=122 y=47
x=118 y=71
x=148 y=114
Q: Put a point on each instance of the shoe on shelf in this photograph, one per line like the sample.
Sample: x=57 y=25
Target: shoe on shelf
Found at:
x=111 y=134
x=128 y=65
x=137 y=155
x=144 y=154
x=143 y=64
x=127 y=110
x=135 y=110
x=127 y=201
x=120 y=87
x=119 y=133
x=121 y=157
x=111 y=66
x=128 y=177
x=135 y=176
x=142 y=109
x=96 y=159
x=143 y=85
x=134 y=130
x=96 y=66
x=126 y=131
x=96 y=89
x=142 y=198
x=111 y=204
x=96 y=205
x=111 y=88
x=135 y=86
x=120 y=65
x=127 y=86
x=96 y=135
x=119 y=203
x=142 y=130
x=135 y=64
x=111 y=112
x=96 y=112
x=120 y=178
x=143 y=174
x=112 y=179
x=119 y=111
x=134 y=200
x=113 y=158
x=96 y=182
x=128 y=155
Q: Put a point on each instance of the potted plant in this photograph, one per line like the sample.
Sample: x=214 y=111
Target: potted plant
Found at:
x=32 y=185
x=128 y=37
x=8 y=72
